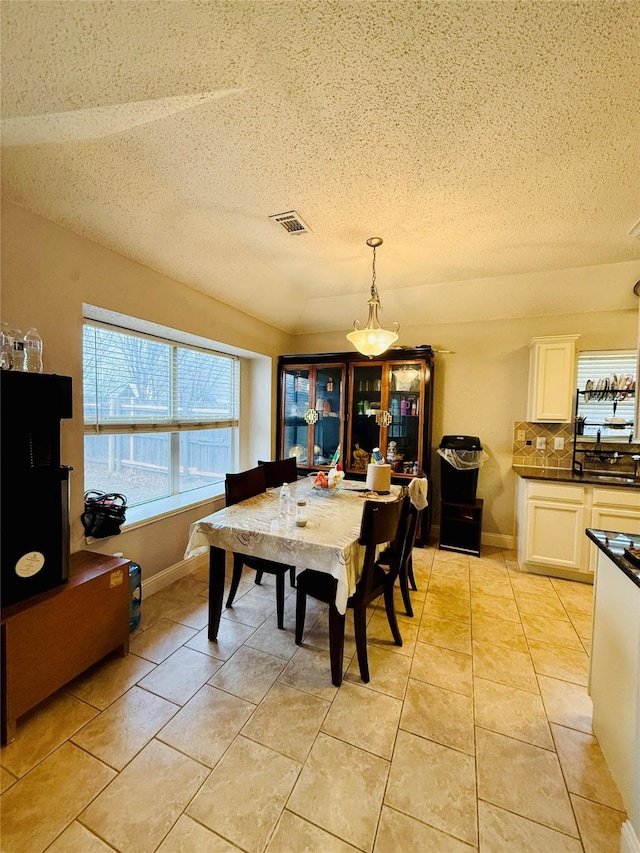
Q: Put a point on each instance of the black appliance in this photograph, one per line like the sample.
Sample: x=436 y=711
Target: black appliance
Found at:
x=459 y=485
x=34 y=491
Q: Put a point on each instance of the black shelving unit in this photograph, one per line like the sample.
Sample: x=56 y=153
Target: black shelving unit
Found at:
x=461 y=526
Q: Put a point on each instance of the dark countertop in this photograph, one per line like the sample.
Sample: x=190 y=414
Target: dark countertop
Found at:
x=613 y=545
x=566 y=475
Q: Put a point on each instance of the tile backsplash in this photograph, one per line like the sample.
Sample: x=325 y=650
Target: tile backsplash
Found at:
x=526 y=453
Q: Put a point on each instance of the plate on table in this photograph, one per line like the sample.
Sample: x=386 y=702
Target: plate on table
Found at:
x=354 y=486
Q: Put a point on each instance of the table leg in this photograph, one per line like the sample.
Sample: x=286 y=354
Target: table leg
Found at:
x=217 y=560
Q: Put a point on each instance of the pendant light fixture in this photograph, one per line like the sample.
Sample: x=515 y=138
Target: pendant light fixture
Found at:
x=373 y=339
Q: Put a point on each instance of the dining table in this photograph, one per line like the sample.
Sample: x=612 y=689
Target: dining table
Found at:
x=328 y=542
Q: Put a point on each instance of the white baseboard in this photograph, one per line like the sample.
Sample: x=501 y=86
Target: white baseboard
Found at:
x=492 y=540
x=555 y=572
x=629 y=842
x=173 y=573
x=498 y=540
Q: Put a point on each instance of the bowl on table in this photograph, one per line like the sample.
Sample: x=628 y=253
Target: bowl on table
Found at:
x=320 y=488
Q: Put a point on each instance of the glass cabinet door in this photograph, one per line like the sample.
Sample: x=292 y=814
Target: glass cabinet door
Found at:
x=312 y=414
x=364 y=421
x=386 y=412
x=404 y=434
x=295 y=414
x=329 y=405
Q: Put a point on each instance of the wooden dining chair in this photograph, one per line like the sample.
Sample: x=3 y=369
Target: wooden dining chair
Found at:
x=402 y=550
x=379 y=525
x=240 y=487
x=281 y=471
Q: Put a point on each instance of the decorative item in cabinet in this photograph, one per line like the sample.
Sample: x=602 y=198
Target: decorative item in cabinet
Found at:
x=312 y=412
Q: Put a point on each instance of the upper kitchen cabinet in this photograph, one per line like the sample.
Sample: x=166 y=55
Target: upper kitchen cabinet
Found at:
x=552 y=370
x=332 y=399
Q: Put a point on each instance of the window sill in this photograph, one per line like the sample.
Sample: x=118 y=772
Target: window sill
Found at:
x=143 y=514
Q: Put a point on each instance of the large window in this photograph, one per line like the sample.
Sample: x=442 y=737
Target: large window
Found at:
x=160 y=418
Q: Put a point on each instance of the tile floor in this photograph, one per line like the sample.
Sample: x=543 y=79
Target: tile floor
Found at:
x=474 y=735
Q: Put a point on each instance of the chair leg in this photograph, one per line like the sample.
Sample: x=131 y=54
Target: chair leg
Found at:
x=292 y=576
x=336 y=644
x=301 y=605
x=404 y=589
x=280 y=600
x=412 y=579
x=391 y=615
x=235 y=578
x=258 y=579
x=360 y=628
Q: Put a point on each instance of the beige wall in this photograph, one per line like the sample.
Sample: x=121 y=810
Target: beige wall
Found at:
x=480 y=387
x=47 y=275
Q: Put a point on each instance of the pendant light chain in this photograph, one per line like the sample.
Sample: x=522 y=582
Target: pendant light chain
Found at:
x=374 y=291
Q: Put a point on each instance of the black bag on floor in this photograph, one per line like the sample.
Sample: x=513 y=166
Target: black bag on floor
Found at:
x=103 y=514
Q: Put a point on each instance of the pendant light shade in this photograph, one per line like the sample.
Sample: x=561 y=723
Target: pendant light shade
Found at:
x=373 y=340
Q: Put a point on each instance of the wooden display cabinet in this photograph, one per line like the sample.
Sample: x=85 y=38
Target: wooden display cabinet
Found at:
x=331 y=400
x=52 y=637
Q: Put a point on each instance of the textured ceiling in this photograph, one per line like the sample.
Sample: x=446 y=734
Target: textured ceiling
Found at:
x=479 y=139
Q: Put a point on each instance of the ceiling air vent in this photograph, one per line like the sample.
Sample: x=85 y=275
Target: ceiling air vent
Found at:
x=291 y=222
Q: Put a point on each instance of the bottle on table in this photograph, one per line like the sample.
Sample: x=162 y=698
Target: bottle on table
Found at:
x=301 y=513
x=285 y=501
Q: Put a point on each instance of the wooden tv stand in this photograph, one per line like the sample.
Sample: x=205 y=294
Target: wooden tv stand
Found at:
x=52 y=637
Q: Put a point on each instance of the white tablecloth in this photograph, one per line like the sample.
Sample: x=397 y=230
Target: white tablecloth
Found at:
x=328 y=543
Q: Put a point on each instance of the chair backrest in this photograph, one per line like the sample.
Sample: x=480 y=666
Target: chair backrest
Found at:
x=246 y=484
x=279 y=472
x=407 y=530
x=380 y=523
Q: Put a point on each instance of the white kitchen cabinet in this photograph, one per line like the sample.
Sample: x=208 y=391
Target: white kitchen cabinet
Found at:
x=552 y=379
x=552 y=530
x=552 y=518
x=613 y=509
